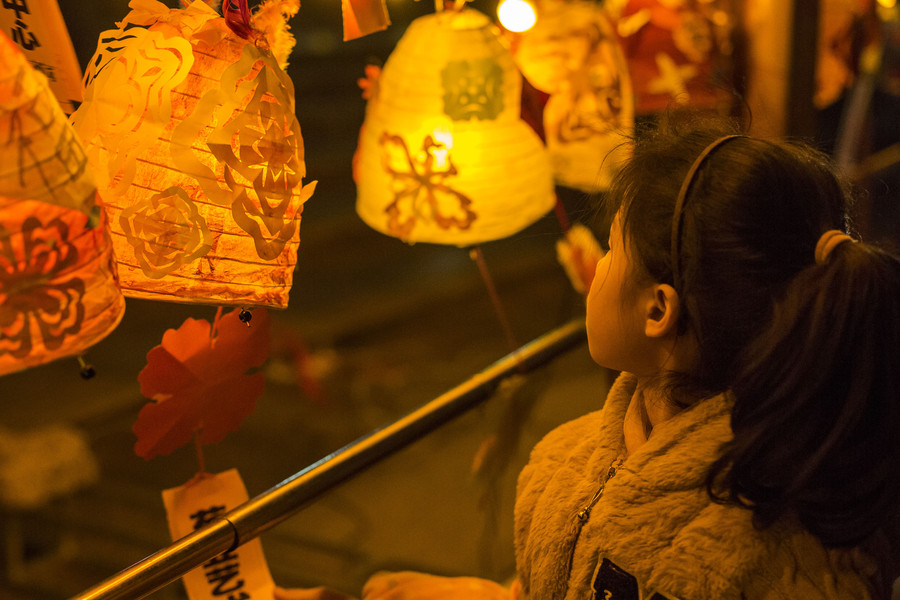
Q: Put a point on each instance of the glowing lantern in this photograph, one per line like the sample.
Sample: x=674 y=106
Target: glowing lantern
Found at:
x=58 y=288
x=444 y=155
x=192 y=132
x=573 y=54
x=676 y=50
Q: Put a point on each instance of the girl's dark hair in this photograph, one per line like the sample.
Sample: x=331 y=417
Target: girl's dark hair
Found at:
x=811 y=352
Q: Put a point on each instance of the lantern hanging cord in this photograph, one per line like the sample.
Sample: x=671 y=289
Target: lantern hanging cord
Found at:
x=237 y=17
x=476 y=255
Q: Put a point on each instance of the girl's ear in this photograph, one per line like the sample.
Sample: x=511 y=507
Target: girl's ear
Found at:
x=663 y=308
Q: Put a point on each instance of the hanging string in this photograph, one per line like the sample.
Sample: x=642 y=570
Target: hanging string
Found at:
x=201 y=460
x=561 y=215
x=476 y=255
x=237 y=17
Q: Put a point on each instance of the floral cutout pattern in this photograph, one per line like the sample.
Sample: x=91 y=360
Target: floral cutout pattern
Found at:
x=473 y=89
x=591 y=103
x=140 y=68
x=29 y=263
x=420 y=190
x=260 y=148
x=166 y=231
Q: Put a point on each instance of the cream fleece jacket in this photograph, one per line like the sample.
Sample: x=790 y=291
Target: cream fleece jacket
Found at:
x=654 y=519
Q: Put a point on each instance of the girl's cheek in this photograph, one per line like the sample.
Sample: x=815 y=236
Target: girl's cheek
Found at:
x=601 y=272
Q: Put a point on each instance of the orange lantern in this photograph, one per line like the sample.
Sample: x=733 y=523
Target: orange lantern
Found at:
x=572 y=54
x=192 y=133
x=444 y=155
x=677 y=51
x=58 y=289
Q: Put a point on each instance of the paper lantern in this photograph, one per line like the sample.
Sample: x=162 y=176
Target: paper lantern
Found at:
x=444 y=155
x=192 y=132
x=677 y=51
x=58 y=289
x=842 y=33
x=573 y=54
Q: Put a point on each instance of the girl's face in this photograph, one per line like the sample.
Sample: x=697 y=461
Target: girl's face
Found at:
x=617 y=306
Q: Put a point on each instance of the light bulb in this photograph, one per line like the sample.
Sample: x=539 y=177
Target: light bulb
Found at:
x=516 y=15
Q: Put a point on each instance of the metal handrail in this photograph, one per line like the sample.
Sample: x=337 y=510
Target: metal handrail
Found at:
x=270 y=508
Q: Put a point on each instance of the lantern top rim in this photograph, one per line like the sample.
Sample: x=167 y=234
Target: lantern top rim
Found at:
x=463 y=19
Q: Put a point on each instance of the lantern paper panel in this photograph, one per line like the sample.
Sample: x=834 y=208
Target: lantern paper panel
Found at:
x=573 y=55
x=192 y=132
x=39 y=155
x=59 y=292
x=678 y=51
x=443 y=155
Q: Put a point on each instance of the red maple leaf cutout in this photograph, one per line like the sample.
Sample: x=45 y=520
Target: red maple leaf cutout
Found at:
x=198 y=383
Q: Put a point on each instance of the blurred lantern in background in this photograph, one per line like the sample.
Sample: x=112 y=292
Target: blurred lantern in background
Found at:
x=58 y=289
x=572 y=54
x=678 y=51
x=846 y=28
x=192 y=133
x=444 y=155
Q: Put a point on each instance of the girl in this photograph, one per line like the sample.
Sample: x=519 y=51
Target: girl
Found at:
x=751 y=446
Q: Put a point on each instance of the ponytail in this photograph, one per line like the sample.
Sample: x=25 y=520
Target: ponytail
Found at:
x=816 y=418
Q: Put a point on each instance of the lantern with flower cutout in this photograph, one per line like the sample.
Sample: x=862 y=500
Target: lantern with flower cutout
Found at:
x=58 y=289
x=678 y=51
x=192 y=132
x=443 y=154
x=573 y=55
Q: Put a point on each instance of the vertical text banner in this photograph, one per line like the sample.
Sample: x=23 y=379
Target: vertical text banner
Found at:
x=38 y=29
x=239 y=574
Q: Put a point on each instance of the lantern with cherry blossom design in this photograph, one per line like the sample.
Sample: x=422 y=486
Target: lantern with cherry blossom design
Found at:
x=192 y=133
x=58 y=289
x=443 y=154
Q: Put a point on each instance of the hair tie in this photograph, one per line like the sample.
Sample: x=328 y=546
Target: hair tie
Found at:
x=828 y=242
x=677 y=216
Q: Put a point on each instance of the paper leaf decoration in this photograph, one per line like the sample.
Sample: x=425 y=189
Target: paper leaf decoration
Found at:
x=444 y=155
x=198 y=381
x=58 y=289
x=192 y=132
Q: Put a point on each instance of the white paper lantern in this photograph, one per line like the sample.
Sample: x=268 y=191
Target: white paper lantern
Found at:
x=444 y=155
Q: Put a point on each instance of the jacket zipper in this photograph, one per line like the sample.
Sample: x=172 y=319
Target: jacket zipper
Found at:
x=582 y=516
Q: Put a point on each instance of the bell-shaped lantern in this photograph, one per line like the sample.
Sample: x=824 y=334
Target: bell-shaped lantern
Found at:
x=444 y=155
x=192 y=132
x=58 y=289
x=573 y=54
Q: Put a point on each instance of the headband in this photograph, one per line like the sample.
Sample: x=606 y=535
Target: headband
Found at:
x=677 y=216
x=828 y=242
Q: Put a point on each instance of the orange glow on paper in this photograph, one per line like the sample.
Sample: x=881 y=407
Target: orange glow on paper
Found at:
x=58 y=289
x=443 y=155
x=573 y=55
x=362 y=17
x=192 y=133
